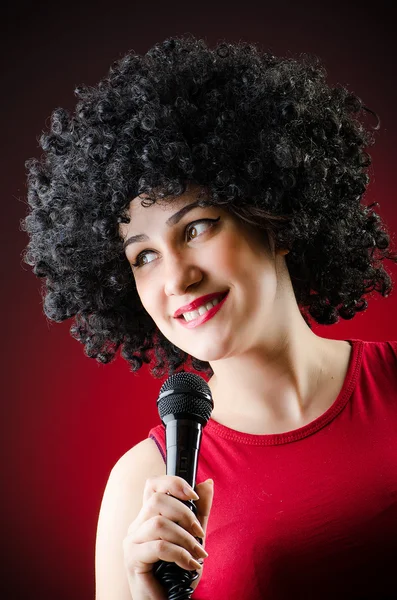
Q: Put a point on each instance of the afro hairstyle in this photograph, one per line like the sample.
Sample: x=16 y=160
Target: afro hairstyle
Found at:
x=265 y=136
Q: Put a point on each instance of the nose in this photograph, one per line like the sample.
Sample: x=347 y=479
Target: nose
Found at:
x=180 y=274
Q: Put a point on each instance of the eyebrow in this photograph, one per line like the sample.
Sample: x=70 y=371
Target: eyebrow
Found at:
x=173 y=220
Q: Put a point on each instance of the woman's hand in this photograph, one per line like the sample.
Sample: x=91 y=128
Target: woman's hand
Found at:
x=165 y=530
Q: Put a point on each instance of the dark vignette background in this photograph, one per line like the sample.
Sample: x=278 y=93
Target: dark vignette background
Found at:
x=66 y=419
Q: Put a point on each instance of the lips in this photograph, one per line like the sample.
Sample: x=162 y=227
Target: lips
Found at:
x=198 y=302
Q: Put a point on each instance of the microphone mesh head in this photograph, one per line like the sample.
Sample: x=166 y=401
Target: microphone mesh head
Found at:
x=185 y=393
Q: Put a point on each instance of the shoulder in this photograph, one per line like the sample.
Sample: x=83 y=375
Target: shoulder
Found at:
x=121 y=503
x=141 y=459
x=378 y=374
x=384 y=352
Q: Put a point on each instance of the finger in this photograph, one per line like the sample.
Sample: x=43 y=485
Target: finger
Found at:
x=161 y=528
x=205 y=490
x=168 y=484
x=141 y=557
x=160 y=504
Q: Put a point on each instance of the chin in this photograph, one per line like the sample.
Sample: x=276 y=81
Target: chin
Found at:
x=209 y=355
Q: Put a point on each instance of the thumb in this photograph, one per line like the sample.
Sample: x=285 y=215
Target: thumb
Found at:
x=205 y=491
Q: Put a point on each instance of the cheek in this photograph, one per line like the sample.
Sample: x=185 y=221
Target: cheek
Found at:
x=145 y=297
x=247 y=266
x=151 y=301
x=234 y=259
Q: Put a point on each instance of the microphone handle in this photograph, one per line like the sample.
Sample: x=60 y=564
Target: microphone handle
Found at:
x=183 y=439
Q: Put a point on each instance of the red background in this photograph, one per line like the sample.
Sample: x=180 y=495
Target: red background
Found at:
x=66 y=419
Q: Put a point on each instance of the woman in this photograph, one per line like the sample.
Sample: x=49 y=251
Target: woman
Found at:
x=192 y=175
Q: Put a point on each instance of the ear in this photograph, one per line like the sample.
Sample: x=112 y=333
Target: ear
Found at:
x=282 y=251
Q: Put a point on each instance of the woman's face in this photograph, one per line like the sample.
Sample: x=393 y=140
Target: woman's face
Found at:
x=182 y=261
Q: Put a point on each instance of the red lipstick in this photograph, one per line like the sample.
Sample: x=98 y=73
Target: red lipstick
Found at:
x=205 y=317
x=197 y=303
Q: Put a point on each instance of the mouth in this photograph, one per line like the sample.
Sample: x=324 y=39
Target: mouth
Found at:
x=198 y=303
x=218 y=298
x=206 y=316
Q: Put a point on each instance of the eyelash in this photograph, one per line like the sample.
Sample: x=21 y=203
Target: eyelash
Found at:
x=137 y=264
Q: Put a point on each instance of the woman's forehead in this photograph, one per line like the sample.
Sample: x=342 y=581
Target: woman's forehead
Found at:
x=143 y=213
x=191 y=194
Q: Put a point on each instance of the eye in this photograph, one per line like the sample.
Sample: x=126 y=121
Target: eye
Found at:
x=138 y=262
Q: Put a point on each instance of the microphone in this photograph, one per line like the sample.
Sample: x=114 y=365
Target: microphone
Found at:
x=185 y=405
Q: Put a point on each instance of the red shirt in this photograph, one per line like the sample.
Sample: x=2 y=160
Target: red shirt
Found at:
x=310 y=513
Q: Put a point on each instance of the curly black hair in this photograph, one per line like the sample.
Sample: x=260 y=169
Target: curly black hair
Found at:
x=266 y=137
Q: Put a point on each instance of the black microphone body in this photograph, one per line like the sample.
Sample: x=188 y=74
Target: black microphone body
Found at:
x=183 y=440
x=185 y=405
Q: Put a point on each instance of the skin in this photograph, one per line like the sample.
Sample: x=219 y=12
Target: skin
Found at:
x=271 y=372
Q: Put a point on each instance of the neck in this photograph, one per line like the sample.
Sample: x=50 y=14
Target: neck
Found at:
x=275 y=388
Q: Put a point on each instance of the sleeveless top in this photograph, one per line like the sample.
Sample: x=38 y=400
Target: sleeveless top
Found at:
x=310 y=513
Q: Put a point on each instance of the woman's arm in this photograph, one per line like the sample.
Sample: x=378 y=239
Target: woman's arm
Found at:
x=121 y=503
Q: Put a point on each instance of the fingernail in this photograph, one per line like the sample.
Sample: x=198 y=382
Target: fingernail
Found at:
x=197 y=529
x=211 y=481
x=194 y=564
x=188 y=491
x=199 y=552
